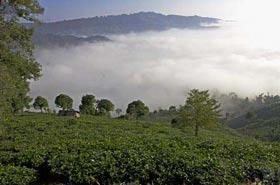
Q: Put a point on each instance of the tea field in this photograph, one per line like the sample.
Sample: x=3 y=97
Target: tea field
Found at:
x=47 y=149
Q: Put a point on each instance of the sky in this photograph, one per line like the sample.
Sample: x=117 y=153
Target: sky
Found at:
x=70 y=9
x=249 y=13
x=255 y=16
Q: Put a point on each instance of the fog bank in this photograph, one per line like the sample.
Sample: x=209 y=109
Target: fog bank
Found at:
x=158 y=68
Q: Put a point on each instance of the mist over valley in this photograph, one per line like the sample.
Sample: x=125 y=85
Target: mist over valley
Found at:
x=158 y=67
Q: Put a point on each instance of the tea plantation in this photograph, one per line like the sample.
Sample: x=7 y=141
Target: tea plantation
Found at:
x=47 y=149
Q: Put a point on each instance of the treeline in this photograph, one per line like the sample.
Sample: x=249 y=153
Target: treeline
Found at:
x=199 y=110
x=234 y=106
x=92 y=106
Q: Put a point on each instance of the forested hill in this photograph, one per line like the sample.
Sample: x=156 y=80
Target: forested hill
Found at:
x=267 y=112
x=122 y=24
x=47 y=40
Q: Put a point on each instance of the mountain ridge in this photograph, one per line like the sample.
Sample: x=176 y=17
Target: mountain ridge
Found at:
x=48 y=40
x=125 y=23
x=125 y=14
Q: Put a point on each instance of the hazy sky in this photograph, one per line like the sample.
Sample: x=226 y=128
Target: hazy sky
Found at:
x=254 y=14
x=69 y=9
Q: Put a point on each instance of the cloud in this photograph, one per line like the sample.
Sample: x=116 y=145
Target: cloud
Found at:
x=159 y=67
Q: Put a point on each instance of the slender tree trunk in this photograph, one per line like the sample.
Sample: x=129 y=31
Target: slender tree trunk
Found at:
x=196 y=130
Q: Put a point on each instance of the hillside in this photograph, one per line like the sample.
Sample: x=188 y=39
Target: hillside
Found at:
x=122 y=24
x=268 y=130
x=92 y=30
x=263 y=123
x=266 y=112
x=47 y=149
x=52 y=40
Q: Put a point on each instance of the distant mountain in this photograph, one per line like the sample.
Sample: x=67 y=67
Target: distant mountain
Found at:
x=122 y=24
x=89 y=30
x=48 y=40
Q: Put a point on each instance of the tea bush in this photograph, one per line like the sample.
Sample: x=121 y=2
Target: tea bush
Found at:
x=36 y=147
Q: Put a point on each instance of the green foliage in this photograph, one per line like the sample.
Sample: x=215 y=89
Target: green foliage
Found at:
x=249 y=115
x=88 y=100
x=17 y=64
x=13 y=175
x=104 y=107
x=7 y=86
x=136 y=109
x=172 y=109
x=266 y=112
x=19 y=102
x=235 y=107
x=162 y=115
x=200 y=110
x=267 y=130
x=64 y=101
x=87 y=106
x=25 y=9
x=41 y=103
x=87 y=110
x=113 y=151
x=259 y=118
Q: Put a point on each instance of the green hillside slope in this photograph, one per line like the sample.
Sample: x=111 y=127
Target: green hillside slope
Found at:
x=264 y=113
x=268 y=130
x=47 y=149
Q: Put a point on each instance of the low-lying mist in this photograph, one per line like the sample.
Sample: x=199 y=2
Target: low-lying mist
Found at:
x=159 y=67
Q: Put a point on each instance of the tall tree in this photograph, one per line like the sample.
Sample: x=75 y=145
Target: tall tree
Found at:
x=200 y=110
x=64 y=101
x=87 y=105
x=17 y=62
x=136 y=109
x=19 y=102
x=41 y=103
x=104 y=107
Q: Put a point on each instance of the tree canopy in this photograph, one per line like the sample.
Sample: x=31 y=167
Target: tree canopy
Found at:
x=104 y=107
x=200 y=110
x=64 y=101
x=136 y=109
x=17 y=63
x=40 y=103
x=87 y=106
